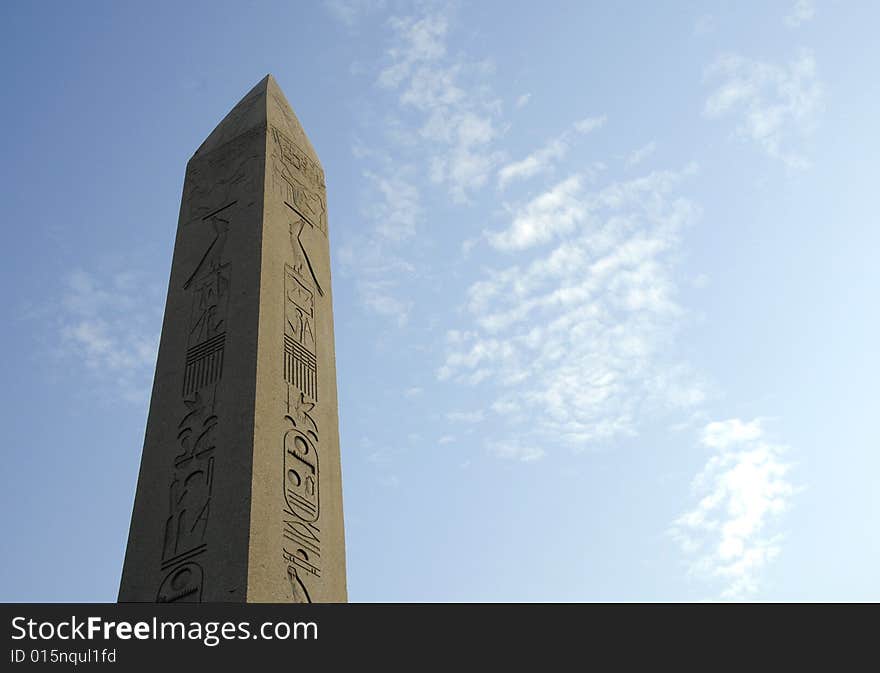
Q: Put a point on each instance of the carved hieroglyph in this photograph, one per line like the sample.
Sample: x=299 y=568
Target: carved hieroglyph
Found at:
x=239 y=494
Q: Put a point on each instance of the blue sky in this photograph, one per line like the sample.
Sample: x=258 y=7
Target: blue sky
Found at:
x=604 y=285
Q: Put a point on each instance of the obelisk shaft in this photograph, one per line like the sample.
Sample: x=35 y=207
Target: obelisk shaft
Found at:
x=239 y=494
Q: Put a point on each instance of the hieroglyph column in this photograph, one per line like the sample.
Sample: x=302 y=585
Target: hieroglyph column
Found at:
x=239 y=495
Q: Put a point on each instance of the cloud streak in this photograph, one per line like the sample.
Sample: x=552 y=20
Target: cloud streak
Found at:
x=641 y=154
x=378 y=273
x=516 y=452
x=802 y=12
x=542 y=160
x=740 y=492
x=575 y=337
x=775 y=104
x=568 y=333
x=442 y=123
x=458 y=119
x=110 y=324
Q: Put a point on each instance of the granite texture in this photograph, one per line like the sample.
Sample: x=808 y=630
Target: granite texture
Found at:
x=239 y=495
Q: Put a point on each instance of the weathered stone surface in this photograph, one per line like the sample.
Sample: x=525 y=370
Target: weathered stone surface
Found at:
x=239 y=494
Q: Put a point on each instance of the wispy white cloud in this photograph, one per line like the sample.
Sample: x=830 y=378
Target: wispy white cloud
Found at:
x=542 y=159
x=536 y=162
x=378 y=296
x=552 y=213
x=467 y=161
x=570 y=328
x=442 y=123
x=522 y=101
x=775 y=103
x=458 y=118
x=577 y=336
x=109 y=322
x=465 y=416
x=740 y=492
x=397 y=209
x=565 y=206
x=724 y=434
x=419 y=40
x=380 y=275
x=639 y=155
x=589 y=124
x=516 y=451
x=375 y=256
x=802 y=12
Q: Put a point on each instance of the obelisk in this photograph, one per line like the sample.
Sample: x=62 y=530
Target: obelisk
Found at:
x=239 y=495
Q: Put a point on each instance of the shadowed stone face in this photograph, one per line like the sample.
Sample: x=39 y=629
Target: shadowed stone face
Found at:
x=239 y=494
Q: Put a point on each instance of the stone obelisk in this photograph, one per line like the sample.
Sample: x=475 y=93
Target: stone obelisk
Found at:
x=239 y=495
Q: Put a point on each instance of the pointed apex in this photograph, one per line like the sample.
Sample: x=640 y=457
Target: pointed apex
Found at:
x=263 y=106
x=263 y=84
x=248 y=113
x=282 y=116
